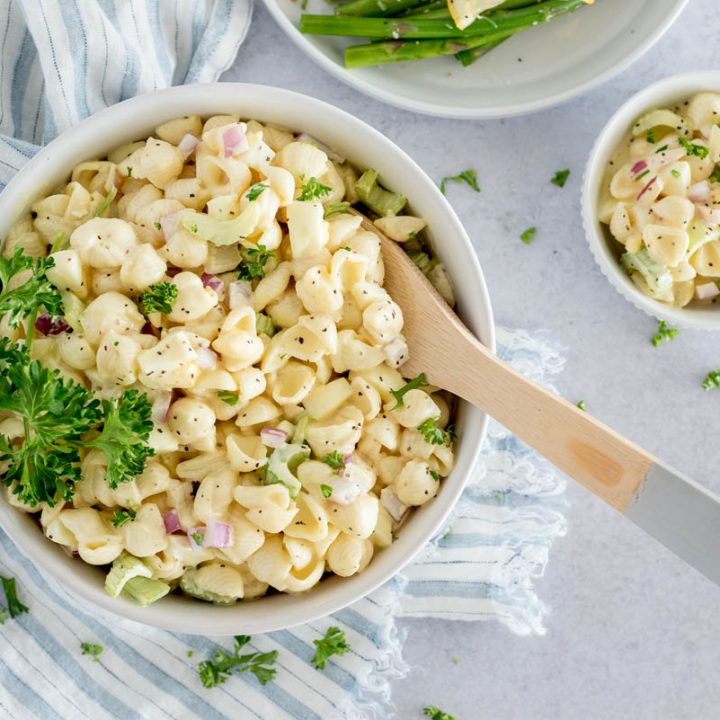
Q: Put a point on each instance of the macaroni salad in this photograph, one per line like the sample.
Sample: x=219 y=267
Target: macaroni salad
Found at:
x=205 y=321
x=662 y=202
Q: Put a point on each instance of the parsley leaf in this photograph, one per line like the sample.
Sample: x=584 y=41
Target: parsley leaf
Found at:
x=582 y=406
x=26 y=299
x=313 y=189
x=528 y=235
x=693 y=149
x=433 y=434
x=121 y=516
x=335 y=460
x=664 y=332
x=129 y=171
x=467 y=176
x=436 y=714
x=254 y=261
x=712 y=380
x=715 y=176
x=217 y=670
x=414 y=384
x=56 y=413
x=159 y=298
x=229 y=398
x=124 y=437
x=334 y=643
x=91 y=649
x=15 y=607
x=650 y=137
x=326 y=490
x=560 y=177
x=435 y=475
x=107 y=202
x=256 y=191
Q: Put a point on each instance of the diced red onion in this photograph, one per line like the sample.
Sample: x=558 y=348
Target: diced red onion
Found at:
x=706 y=291
x=169 y=224
x=239 y=294
x=699 y=192
x=391 y=502
x=206 y=358
x=147 y=329
x=49 y=325
x=647 y=187
x=234 y=141
x=211 y=281
x=218 y=534
x=161 y=407
x=273 y=437
x=187 y=145
x=638 y=167
x=173 y=271
x=196 y=531
x=348 y=458
x=172 y=521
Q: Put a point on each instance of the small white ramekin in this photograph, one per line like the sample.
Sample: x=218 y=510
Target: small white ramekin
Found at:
x=665 y=93
x=365 y=147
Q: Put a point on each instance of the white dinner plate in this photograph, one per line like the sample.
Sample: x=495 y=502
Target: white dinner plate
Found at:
x=536 y=69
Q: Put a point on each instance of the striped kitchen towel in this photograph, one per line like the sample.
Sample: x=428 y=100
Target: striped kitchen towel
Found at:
x=61 y=60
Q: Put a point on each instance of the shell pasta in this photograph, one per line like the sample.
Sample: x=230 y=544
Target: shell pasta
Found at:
x=661 y=202
x=215 y=275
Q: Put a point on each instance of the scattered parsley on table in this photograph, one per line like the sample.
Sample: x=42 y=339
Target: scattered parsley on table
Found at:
x=528 y=235
x=333 y=643
x=436 y=714
x=92 y=649
x=560 y=177
x=469 y=177
x=216 y=670
x=664 y=332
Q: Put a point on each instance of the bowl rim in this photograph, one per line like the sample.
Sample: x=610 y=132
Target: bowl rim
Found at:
x=264 y=103
x=668 y=90
x=369 y=88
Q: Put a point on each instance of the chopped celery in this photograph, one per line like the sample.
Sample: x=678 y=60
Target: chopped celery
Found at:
x=658 y=278
x=221 y=232
x=379 y=200
x=264 y=325
x=336 y=208
x=300 y=427
x=422 y=260
x=699 y=234
x=282 y=464
x=189 y=585
x=145 y=591
x=124 y=568
x=73 y=308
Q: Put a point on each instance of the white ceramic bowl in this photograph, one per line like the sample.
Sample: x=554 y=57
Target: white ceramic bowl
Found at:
x=665 y=93
x=136 y=118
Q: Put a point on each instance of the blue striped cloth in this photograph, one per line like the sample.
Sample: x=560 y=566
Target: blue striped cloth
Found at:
x=61 y=60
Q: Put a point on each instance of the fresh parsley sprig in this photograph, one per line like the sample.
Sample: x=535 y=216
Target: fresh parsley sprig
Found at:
x=124 y=437
x=692 y=148
x=217 y=670
x=712 y=380
x=335 y=460
x=414 y=384
x=256 y=191
x=14 y=606
x=528 y=235
x=326 y=490
x=468 y=177
x=435 y=713
x=26 y=299
x=229 y=398
x=254 y=261
x=121 y=516
x=560 y=177
x=92 y=649
x=433 y=434
x=59 y=415
x=159 y=297
x=664 y=332
x=313 y=189
x=333 y=643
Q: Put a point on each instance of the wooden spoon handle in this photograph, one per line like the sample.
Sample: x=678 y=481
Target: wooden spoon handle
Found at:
x=602 y=460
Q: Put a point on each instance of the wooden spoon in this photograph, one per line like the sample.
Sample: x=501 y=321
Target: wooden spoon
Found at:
x=677 y=511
